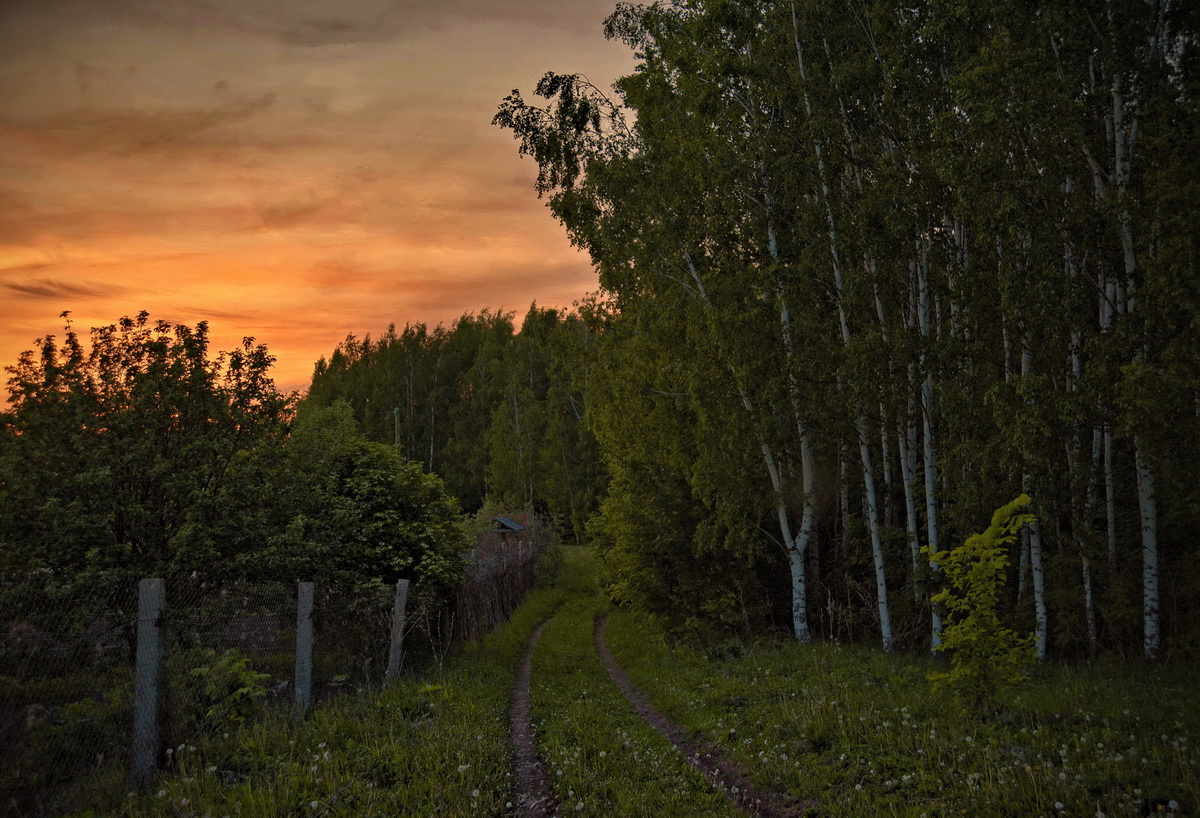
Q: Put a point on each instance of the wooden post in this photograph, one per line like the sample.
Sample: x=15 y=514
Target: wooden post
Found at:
x=304 y=646
x=396 y=649
x=144 y=747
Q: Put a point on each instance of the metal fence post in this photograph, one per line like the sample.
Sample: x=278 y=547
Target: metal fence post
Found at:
x=396 y=648
x=144 y=747
x=304 y=646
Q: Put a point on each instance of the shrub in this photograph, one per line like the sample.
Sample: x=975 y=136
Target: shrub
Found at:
x=986 y=657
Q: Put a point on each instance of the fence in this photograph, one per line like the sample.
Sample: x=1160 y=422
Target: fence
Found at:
x=96 y=687
x=98 y=684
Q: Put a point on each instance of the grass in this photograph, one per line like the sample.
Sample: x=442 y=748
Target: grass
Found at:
x=603 y=759
x=862 y=733
x=438 y=745
x=853 y=730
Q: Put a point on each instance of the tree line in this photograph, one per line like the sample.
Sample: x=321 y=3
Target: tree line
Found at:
x=497 y=413
x=873 y=269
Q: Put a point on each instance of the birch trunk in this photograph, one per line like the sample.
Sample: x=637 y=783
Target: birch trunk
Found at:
x=861 y=427
x=906 y=436
x=1147 y=507
x=1035 y=543
x=927 y=397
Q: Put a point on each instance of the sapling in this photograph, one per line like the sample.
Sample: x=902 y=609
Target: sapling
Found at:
x=986 y=657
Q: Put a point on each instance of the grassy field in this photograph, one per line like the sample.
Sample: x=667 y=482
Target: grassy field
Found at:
x=846 y=728
x=865 y=734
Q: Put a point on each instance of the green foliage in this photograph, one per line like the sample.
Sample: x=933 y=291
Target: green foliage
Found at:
x=113 y=458
x=355 y=514
x=987 y=658
x=229 y=691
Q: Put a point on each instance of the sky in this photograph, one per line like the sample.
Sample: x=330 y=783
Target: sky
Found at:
x=291 y=170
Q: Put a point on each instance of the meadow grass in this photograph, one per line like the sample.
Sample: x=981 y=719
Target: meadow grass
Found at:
x=601 y=757
x=862 y=733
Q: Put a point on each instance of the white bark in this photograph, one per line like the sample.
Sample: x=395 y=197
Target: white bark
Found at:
x=927 y=397
x=1089 y=608
x=1035 y=544
x=906 y=435
x=1149 y=514
x=885 y=625
x=798 y=550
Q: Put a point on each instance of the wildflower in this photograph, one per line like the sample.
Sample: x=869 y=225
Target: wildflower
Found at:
x=462 y=768
x=603 y=753
x=474 y=793
x=1058 y=805
x=162 y=793
x=312 y=804
x=212 y=769
x=579 y=807
x=1173 y=805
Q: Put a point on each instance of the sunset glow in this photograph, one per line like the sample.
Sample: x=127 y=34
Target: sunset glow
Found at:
x=293 y=171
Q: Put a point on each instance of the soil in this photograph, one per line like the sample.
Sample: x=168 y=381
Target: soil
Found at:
x=718 y=768
x=533 y=797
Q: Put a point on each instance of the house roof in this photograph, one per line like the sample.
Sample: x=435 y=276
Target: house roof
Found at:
x=507 y=524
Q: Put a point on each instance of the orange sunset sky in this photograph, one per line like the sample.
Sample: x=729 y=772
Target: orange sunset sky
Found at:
x=292 y=170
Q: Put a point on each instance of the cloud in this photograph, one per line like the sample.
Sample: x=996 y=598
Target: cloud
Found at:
x=51 y=289
x=317 y=23
x=82 y=131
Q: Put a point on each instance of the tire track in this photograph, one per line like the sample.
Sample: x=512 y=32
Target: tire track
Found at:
x=533 y=796
x=718 y=768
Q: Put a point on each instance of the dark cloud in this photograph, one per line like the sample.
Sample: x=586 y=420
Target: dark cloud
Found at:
x=126 y=132
x=315 y=23
x=47 y=288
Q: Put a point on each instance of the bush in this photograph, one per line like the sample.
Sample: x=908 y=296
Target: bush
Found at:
x=986 y=657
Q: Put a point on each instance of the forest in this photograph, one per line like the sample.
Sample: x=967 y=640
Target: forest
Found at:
x=868 y=272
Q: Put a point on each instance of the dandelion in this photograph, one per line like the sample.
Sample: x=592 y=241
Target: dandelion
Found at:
x=462 y=768
x=1173 y=805
x=162 y=793
x=603 y=753
x=313 y=804
x=183 y=802
x=212 y=769
x=474 y=793
x=1058 y=805
x=579 y=807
